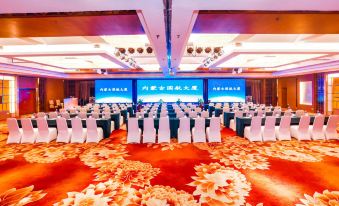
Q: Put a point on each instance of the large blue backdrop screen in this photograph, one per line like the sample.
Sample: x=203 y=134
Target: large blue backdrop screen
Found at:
x=113 y=91
x=226 y=90
x=187 y=90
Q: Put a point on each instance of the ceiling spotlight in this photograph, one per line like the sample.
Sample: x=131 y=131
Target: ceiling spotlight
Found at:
x=236 y=70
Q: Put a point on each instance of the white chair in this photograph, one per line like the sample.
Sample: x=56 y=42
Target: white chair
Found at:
x=149 y=132
x=164 y=132
x=41 y=114
x=283 y=131
x=64 y=133
x=163 y=114
x=133 y=131
x=78 y=132
x=198 y=131
x=193 y=114
x=253 y=132
x=45 y=134
x=205 y=114
x=260 y=113
x=65 y=115
x=299 y=113
x=15 y=133
x=233 y=125
x=316 y=130
x=139 y=115
x=197 y=109
x=213 y=133
x=331 y=128
x=52 y=115
x=180 y=114
x=28 y=132
x=300 y=131
x=184 y=130
x=268 y=130
x=94 y=133
x=82 y=115
x=288 y=113
x=95 y=115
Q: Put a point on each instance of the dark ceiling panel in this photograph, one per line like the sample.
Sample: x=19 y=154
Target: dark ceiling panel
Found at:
x=70 y=25
x=259 y=22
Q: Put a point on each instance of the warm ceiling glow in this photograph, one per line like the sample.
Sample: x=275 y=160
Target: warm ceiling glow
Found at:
x=150 y=67
x=188 y=67
x=94 y=61
x=210 y=40
x=265 y=60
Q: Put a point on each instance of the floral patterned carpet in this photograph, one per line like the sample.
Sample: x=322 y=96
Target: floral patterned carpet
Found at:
x=234 y=172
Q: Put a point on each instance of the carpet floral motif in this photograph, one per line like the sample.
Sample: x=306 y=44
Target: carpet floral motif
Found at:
x=19 y=197
x=128 y=172
x=101 y=194
x=219 y=185
x=51 y=153
x=325 y=198
x=101 y=155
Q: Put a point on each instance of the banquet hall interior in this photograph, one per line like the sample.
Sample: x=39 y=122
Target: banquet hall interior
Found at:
x=169 y=102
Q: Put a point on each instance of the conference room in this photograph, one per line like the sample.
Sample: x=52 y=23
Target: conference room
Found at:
x=169 y=102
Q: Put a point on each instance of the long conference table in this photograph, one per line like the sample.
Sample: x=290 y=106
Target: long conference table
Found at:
x=115 y=117
x=230 y=115
x=174 y=124
x=242 y=122
x=105 y=124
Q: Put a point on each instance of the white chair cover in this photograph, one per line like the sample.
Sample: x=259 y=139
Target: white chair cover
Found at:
x=78 y=132
x=253 y=132
x=283 y=131
x=133 y=131
x=213 y=131
x=300 y=132
x=15 y=132
x=94 y=133
x=198 y=131
x=184 y=130
x=164 y=131
x=149 y=132
x=28 y=132
x=268 y=131
x=64 y=133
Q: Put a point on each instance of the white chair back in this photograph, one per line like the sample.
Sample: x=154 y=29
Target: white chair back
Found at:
x=185 y=124
x=52 y=115
x=14 y=135
x=197 y=109
x=95 y=115
x=28 y=134
x=82 y=115
x=193 y=114
x=299 y=113
x=199 y=124
x=269 y=129
x=205 y=114
x=63 y=132
x=77 y=130
x=255 y=129
x=65 y=115
x=317 y=128
x=284 y=131
x=148 y=123
x=41 y=114
x=92 y=131
x=42 y=127
x=164 y=131
x=180 y=114
x=331 y=127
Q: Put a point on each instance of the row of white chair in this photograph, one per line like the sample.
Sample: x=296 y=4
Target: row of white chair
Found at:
x=303 y=131
x=199 y=134
x=43 y=133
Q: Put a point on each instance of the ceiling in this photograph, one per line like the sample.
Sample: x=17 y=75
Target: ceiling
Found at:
x=77 y=39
